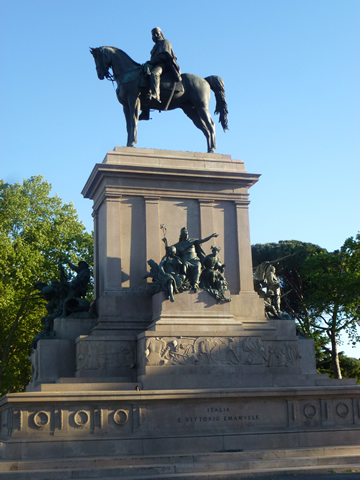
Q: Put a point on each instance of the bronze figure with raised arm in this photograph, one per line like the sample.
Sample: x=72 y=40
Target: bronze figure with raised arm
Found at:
x=189 y=250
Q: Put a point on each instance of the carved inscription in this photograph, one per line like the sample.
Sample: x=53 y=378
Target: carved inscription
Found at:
x=218 y=414
x=220 y=351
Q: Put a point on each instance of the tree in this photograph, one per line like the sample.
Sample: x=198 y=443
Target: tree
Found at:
x=321 y=290
x=37 y=232
x=332 y=294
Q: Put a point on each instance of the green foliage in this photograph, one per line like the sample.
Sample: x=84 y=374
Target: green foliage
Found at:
x=37 y=232
x=350 y=367
x=332 y=294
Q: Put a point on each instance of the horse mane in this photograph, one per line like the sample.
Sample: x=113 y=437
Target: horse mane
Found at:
x=121 y=52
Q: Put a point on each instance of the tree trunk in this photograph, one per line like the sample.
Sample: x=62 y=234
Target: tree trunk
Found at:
x=335 y=355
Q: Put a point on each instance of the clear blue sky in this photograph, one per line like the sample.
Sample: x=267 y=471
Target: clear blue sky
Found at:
x=291 y=71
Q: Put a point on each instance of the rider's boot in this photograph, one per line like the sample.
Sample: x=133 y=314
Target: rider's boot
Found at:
x=154 y=93
x=145 y=114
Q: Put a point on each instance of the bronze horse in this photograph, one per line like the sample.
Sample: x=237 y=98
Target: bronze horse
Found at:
x=193 y=100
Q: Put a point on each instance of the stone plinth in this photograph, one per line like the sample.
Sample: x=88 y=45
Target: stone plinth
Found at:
x=191 y=310
x=72 y=328
x=137 y=190
x=52 y=359
x=196 y=343
x=55 y=357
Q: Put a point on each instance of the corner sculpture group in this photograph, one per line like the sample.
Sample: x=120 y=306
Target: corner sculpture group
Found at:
x=185 y=266
x=268 y=286
x=65 y=297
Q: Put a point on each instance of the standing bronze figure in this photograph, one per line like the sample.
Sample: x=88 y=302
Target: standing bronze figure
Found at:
x=135 y=92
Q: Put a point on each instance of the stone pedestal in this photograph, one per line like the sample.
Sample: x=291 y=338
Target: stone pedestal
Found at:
x=149 y=376
x=196 y=343
x=137 y=190
x=55 y=357
x=52 y=359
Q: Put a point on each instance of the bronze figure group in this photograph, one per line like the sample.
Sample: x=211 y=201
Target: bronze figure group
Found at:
x=185 y=266
x=65 y=297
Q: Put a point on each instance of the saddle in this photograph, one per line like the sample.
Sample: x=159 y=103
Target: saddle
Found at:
x=166 y=82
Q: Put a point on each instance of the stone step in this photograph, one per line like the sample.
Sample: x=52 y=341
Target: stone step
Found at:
x=216 y=465
x=334 y=381
x=97 y=379
x=170 y=472
x=87 y=387
x=326 y=453
x=345 y=472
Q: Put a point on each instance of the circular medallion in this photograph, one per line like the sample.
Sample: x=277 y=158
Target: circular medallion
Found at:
x=81 y=418
x=121 y=417
x=41 y=419
x=309 y=410
x=342 y=410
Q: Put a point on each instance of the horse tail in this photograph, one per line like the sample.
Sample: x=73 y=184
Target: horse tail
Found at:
x=218 y=87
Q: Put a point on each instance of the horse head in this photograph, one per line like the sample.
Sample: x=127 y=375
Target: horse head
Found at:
x=102 y=62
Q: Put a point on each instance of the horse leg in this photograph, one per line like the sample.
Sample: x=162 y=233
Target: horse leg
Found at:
x=193 y=114
x=134 y=107
x=128 y=123
x=131 y=111
x=205 y=116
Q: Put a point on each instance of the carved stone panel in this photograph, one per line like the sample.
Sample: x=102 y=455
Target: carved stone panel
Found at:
x=105 y=355
x=158 y=351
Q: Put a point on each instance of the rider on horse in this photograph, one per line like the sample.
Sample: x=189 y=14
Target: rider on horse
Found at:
x=163 y=60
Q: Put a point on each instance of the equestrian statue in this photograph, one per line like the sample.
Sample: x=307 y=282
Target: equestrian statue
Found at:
x=158 y=84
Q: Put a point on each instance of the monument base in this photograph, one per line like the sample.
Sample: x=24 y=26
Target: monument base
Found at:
x=152 y=377
x=65 y=424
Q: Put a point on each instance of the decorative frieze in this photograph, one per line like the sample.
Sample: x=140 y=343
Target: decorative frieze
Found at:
x=160 y=351
x=142 y=417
